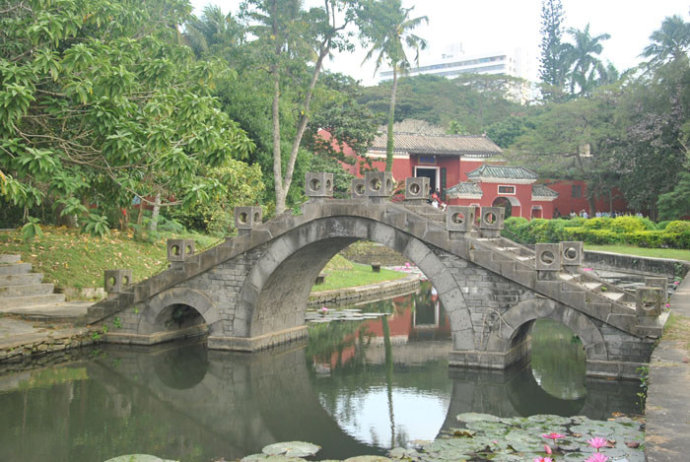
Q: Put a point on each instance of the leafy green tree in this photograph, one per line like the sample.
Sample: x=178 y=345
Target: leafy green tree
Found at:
x=214 y=33
x=101 y=103
x=574 y=140
x=553 y=64
x=287 y=36
x=656 y=119
x=387 y=27
x=669 y=43
x=586 y=70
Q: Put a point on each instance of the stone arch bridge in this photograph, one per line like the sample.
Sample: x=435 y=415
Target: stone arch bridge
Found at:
x=250 y=292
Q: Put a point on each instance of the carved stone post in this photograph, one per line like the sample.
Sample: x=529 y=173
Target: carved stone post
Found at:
x=548 y=261
x=572 y=255
x=459 y=220
x=491 y=221
x=178 y=251
x=246 y=218
x=318 y=185
x=379 y=185
x=359 y=189
x=116 y=281
x=416 y=189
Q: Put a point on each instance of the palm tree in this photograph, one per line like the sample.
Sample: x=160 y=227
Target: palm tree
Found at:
x=670 y=42
x=387 y=27
x=212 y=30
x=586 y=70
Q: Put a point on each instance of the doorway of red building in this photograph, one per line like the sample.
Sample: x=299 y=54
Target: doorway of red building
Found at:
x=429 y=172
x=510 y=204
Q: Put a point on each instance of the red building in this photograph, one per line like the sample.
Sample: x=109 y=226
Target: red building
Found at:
x=469 y=170
x=514 y=188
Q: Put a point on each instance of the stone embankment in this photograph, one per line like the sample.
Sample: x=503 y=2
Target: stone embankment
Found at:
x=368 y=293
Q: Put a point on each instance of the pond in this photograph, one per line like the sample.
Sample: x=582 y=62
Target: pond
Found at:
x=357 y=387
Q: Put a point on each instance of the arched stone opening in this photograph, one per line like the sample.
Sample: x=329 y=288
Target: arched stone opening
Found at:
x=517 y=325
x=511 y=205
x=276 y=292
x=177 y=313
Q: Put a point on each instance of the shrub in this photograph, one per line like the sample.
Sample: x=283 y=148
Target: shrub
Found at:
x=627 y=224
x=598 y=223
x=677 y=226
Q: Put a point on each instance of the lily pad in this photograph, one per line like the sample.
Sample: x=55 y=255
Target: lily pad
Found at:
x=403 y=453
x=266 y=458
x=476 y=417
x=138 y=458
x=368 y=459
x=291 y=449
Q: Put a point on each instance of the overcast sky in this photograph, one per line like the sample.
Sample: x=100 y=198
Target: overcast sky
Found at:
x=482 y=26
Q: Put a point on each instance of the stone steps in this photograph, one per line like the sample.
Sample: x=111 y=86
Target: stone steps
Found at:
x=21 y=290
x=20 y=279
x=23 y=294
x=5 y=259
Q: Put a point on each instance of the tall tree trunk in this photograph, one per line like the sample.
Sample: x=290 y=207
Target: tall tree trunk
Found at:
x=391 y=121
x=281 y=193
x=153 y=225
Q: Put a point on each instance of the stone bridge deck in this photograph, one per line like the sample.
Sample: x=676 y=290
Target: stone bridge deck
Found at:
x=250 y=292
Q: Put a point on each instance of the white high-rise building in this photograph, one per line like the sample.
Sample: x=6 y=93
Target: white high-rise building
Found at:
x=454 y=63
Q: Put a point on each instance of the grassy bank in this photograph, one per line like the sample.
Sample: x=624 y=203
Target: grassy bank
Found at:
x=677 y=254
x=70 y=259
x=354 y=275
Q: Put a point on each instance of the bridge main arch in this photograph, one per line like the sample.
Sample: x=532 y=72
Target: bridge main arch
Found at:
x=275 y=293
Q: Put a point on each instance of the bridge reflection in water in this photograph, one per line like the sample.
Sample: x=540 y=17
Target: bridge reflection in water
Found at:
x=353 y=390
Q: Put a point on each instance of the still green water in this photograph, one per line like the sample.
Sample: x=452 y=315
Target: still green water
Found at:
x=356 y=388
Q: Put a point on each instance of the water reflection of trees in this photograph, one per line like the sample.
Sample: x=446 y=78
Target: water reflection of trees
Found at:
x=558 y=360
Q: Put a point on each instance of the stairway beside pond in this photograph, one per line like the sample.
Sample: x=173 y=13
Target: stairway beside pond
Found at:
x=23 y=294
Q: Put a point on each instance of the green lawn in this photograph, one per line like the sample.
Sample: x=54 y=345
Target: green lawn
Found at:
x=70 y=259
x=678 y=254
x=357 y=275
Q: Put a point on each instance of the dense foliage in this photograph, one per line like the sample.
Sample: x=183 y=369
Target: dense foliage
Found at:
x=109 y=103
x=627 y=230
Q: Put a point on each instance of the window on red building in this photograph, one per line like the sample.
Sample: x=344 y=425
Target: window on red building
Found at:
x=577 y=191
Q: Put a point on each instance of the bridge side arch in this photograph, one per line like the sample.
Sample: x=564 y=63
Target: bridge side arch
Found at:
x=277 y=287
x=514 y=321
x=151 y=319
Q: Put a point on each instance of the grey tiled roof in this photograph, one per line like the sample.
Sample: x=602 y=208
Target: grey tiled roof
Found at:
x=467 y=188
x=466 y=145
x=501 y=171
x=539 y=190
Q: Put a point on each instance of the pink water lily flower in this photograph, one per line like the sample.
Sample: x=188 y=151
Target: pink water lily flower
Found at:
x=552 y=436
x=323 y=310
x=547 y=449
x=597 y=442
x=597 y=457
x=543 y=459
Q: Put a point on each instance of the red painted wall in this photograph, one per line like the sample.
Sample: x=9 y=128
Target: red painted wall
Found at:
x=565 y=203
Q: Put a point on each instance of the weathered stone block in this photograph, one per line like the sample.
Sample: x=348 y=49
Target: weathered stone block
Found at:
x=379 y=184
x=179 y=249
x=116 y=281
x=319 y=184
x=416 y=188
x=247 y=217
x=359 y=189
x=660 y=282
x=572 y=253
x=648 y=301
x=548 y=257
x=459 y=218
x=491 y=221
